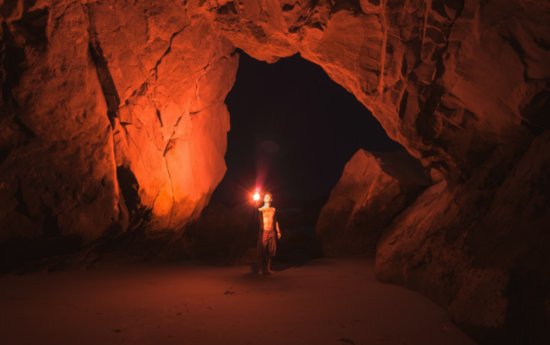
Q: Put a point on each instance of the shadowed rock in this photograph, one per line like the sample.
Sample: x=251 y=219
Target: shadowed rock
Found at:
x=372 y=190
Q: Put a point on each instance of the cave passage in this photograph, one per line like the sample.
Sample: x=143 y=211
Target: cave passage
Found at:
x=292 y=131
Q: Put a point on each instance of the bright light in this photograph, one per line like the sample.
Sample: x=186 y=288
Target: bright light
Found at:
x=256 y=196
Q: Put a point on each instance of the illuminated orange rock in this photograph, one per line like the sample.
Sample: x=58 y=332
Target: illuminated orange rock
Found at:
x=170 y=124
x=136 y=127
x=372 y=190
x=58 y=173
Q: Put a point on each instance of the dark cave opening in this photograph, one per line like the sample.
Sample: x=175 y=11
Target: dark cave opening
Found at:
x=293 y=130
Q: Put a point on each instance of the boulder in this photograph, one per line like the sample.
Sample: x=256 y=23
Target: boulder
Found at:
x=373 y=189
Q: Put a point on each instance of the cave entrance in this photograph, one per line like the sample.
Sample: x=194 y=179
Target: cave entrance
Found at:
x=292 y=131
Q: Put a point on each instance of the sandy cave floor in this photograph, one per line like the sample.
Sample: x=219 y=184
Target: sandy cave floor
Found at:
x=321 y=302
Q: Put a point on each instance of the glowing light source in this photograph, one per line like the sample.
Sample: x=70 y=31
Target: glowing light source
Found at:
x=256 y=196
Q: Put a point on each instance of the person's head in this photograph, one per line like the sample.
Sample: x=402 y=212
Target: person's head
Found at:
x=268 y=198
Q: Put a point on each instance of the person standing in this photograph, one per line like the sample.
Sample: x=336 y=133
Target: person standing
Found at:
x=268 y=235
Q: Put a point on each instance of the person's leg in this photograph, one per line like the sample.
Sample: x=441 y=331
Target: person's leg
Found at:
x=263 y=254
x=271 y=250
x=268 y=265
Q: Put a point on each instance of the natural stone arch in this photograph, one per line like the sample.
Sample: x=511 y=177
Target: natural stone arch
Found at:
x=422 y=79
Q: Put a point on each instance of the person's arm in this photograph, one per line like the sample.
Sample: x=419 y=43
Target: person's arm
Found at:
x=278 y=230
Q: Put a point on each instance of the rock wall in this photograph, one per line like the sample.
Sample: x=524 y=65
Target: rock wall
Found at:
x=481 y=249
x=113 y=118
x=112 y=113
x=372 y=190
x=57 y=163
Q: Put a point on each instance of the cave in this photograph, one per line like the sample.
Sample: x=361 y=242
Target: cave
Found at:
x=114 y=132
x=292 y=131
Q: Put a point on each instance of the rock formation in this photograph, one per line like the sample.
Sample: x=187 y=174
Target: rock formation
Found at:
x=112 y=118
x=110 y=112
x=372 y=190
x=480 y=248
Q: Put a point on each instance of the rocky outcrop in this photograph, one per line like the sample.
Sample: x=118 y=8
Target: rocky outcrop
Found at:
x=111 y=113
x=57 y=164
x=113 y=118
x=372 y=190
x=480 y=249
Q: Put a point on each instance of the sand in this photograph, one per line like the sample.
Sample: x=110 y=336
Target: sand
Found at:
x=322 y=302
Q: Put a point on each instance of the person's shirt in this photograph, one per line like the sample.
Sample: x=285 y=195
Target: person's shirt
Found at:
x=267 y=218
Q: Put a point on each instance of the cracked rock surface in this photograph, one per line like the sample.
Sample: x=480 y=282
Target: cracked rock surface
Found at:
x=113 y=116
